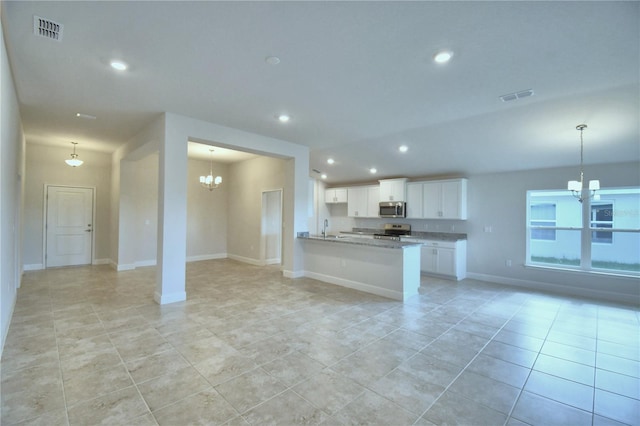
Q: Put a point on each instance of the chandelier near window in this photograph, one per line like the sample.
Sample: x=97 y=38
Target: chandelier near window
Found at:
x=577 y=187
x=209 y=181
x=74 y=161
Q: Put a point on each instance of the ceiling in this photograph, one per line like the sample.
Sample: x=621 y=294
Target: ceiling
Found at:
x=357 y=78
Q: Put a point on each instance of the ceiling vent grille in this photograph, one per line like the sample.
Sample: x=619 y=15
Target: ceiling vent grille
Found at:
x=46 y=28
x=516 y=95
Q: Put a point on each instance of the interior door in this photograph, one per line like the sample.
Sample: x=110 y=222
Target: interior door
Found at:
x=69 y=226
x=272 y=226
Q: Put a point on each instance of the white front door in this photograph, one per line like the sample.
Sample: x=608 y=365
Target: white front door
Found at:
x=69 y=226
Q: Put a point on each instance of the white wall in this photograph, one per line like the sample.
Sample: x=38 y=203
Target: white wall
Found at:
x=45 y=165
x=12 y=148
x=247 y=180
x=499 y=200
x=146 y=209
x=207 y=212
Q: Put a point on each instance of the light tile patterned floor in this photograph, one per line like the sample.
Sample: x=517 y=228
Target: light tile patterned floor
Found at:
x=89 y=346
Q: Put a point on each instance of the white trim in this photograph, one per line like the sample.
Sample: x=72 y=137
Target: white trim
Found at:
x=555 y=288
x=123 y=267
x=101 y=261
x=276 y=261
x=143 y=263
x=293 y=274
x=249 y=260
x=207 y=257
x=357 y=285
x=33 y=267
x=163 y=299
x=574 y=270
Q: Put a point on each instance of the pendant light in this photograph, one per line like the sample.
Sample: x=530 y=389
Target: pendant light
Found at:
x=209 y=181
x=74 y=161
x=577 y=187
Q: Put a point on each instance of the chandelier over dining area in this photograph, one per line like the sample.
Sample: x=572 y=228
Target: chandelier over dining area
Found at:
x=210 y=182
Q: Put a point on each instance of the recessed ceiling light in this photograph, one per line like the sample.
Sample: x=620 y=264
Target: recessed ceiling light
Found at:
x=403 y=148
x=119 y=65
x=330 y=161
x=272 y=60
x=373 y=170
x=85 y=116
x=443 y=56
x=323 y=176
x=284 y=118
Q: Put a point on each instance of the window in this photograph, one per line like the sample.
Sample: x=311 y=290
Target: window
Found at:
x=608 y=242
x=601 y=217
x=543 y=216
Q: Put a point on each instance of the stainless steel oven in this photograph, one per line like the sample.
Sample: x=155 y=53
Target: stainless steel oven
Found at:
x=393 y=209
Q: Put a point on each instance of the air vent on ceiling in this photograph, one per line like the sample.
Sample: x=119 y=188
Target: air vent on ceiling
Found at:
x=46 y=28
x=516 y=95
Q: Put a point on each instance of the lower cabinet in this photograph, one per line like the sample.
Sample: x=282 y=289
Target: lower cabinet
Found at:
x=446 y=258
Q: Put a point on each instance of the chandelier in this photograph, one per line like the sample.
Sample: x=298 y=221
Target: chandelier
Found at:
x=577 y=187
x=74 y=161
x=209 y=181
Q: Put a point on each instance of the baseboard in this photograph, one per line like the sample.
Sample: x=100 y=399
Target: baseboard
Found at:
x=101 y=261
x=143 y=263
x=163 y=299
x=198 y=258
x=356 y=285
x=123 y=266
x=554 y=288
x=33 y=267
x=292 y=274
x=256 y=262
x=273 y=261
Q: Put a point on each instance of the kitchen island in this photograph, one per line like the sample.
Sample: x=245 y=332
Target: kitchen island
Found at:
x=386 y=268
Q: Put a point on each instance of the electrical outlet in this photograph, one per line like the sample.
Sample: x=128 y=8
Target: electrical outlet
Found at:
x=507 y=263
x=488 y=228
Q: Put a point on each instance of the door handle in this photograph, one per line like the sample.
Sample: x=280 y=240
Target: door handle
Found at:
x=87 y=230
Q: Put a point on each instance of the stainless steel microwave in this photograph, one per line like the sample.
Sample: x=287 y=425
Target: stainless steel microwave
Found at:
x=393 y=209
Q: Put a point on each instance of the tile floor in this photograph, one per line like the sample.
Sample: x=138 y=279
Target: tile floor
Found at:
x=89 y=346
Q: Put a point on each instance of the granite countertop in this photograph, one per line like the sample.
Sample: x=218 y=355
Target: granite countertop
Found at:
x=438 y=236
x=358 y=241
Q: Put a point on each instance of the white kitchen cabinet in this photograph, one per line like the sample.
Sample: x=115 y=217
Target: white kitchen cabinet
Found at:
x=414 y=200
x=446 y=199
x=362 y=201
x=335 y=195
x=373 y=204
x=393 y=189
x=357 y=202
x=444 y=258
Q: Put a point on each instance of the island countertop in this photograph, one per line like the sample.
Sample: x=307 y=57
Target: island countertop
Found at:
x=418 y=235
x=339 y=239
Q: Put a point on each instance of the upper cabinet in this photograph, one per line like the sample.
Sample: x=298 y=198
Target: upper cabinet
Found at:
x=335 y=195
x=446 y=199
x=414 y=200
x=363 y=201
x=393 y=189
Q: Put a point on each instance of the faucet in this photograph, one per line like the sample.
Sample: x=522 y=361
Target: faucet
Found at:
x=325 y=225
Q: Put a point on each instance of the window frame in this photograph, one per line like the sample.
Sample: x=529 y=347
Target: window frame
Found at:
x=586 y=231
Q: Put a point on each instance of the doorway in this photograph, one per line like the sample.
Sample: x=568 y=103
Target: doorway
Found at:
x=272 y=227
x=68 y=226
